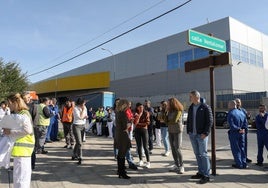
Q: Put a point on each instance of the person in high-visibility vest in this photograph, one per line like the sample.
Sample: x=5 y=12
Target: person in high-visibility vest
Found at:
x=99 y=117
x=24 y=144
x=28 y=101
x=41 y=123
x=67 y=121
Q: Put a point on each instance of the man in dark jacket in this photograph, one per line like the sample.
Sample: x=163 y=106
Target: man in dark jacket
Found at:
x=199 y=122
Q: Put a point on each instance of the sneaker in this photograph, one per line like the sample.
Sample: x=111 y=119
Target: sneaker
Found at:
x=167 y=153
x=148 y=165
x=204 y=180
x=197 y=176
x=65 y=146
x=69 y=147
x=174 y=168
x=140 y=163
x=181 y=170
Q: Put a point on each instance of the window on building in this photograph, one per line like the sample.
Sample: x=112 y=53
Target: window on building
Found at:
x=228 y=46
x=172 y=61
x=185 y=56
x=235 y=50
x=252 y=56
x=259 y=58
x=200 y=53
x=244 y=53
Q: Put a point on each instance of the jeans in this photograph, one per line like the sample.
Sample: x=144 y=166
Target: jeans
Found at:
x=200 y=150
x=49 y=128
x=164 y=134
x=129 y=157
x=158 y=137
x=99 y=128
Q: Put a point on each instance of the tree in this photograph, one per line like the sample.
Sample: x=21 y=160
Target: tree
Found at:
x=12 y=79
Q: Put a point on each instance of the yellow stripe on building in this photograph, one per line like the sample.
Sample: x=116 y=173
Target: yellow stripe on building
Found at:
x=80 y=82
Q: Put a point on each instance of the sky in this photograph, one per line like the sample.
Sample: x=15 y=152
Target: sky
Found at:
x=39 y=34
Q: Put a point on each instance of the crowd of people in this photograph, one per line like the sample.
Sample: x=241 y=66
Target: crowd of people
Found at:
x=149 y=127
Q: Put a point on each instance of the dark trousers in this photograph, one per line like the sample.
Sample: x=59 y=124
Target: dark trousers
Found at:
x=33 y=159
x=151 y=137
x=262 y=140
x=141 y=136
x=40 y=133
x=68 y=133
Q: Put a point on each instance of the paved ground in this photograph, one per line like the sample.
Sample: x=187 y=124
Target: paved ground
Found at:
x=57 y=170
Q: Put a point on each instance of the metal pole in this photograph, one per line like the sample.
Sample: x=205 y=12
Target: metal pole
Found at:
x=8 y=173
x=212 y=101
x=113 y=61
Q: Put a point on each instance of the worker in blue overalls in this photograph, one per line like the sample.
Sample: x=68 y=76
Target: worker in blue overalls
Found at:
x=262 y=133
x=239 y=107
x=238 y=123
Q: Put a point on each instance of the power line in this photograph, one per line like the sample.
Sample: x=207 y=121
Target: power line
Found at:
x=118 y=36
x=109 y=30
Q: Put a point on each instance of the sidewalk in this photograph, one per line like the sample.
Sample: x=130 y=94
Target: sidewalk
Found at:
x=98 y=169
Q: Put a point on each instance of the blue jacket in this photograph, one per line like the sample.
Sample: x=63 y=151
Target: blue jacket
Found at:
x=237 y=120
x=204 y=119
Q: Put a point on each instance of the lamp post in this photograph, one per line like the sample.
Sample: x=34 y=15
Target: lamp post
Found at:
x=113 y=68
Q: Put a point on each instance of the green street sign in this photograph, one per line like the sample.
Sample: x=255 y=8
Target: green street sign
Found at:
x=205 y=41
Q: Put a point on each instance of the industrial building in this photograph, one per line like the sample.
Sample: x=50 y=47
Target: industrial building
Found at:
x=155 y=70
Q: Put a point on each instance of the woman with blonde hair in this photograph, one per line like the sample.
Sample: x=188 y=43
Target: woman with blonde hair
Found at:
x=24 y=140
x=121 y=136
x=175 y=129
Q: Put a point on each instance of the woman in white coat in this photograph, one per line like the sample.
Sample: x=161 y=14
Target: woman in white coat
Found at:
x=24 y=140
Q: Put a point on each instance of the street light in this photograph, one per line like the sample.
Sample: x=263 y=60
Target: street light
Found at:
x=113 y=61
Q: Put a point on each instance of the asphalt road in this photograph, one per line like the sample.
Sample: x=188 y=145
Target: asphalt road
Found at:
x=223 y=144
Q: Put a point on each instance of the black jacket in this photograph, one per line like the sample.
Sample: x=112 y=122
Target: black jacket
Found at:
x=204 y=119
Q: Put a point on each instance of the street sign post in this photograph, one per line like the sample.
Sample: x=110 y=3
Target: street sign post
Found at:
x=210 y=61
x=205 y=41
x=213 y=44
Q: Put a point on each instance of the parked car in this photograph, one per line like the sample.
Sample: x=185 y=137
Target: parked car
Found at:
x=252 y=123
x=221 y=119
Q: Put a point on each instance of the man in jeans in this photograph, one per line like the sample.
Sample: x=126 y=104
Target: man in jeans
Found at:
x=199 y=122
